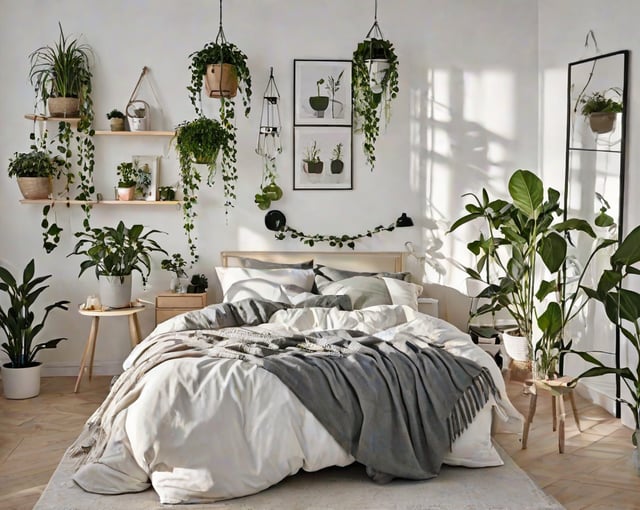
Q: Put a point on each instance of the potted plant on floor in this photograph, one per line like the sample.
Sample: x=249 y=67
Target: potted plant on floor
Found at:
x=61 y=76
x=602 y=110
x=21 y=375
x=116 y=118
x=527 y=247
x=115 y=253
x=34 y=172
x=199 y=142
x=375 y=85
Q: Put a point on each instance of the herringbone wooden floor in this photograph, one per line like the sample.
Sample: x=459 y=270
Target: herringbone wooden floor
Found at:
x=595 y=471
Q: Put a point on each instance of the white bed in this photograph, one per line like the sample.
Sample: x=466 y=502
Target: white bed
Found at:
x=200 y=428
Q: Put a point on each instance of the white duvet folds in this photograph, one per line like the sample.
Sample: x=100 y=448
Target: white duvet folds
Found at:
x=202 y=430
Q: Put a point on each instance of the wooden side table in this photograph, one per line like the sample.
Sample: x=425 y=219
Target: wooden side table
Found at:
x=90 y=347
x=169 y=304
x=558 y=389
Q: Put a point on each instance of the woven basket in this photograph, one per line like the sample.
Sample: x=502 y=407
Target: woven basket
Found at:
x=33 y=188
x=64 y=106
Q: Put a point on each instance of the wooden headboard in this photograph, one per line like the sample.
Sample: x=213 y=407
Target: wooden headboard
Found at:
x=390 y=261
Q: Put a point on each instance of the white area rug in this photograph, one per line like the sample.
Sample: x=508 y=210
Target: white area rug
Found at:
x=506 y=487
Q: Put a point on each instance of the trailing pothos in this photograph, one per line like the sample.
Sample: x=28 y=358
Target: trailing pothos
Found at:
x=201 y=141
x=372 y=96
x=334 y=240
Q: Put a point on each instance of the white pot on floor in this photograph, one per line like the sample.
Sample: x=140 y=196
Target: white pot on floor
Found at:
x=21 y=383
x=517 y=347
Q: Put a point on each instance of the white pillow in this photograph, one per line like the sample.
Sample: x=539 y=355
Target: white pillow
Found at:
x=403 y=293
x=273 y=284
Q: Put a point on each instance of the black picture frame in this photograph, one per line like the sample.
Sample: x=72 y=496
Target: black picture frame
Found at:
x=322 y=92
x=326 y=171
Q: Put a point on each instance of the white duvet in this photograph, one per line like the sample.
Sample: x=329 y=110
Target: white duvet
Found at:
x=202 y=430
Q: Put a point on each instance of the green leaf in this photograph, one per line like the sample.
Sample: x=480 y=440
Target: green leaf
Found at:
x=553 y=251
x=628 y=252
x=527 y=192
x=550 y=322
x=576 y=224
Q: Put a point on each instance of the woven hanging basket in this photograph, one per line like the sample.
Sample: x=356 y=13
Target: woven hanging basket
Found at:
x=221 y=80
x=35 y=188
x=65 y=107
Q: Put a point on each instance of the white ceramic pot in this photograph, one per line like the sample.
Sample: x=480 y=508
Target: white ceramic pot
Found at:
x=115 y=291
x=21 y=383
x=517 y=347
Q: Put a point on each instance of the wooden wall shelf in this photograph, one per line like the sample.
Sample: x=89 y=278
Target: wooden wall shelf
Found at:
x=46 y=201
x=135 y=133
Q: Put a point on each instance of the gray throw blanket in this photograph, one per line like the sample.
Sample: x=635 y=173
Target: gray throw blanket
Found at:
x=394 y=406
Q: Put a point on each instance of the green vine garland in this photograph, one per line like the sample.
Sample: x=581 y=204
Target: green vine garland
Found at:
x=368 y=106
x=337 y=241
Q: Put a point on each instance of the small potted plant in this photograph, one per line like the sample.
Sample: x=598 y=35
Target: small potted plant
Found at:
x=176 y=265
x=115 y=253
x=21 y=375
x=602 y=110
x=312 y=163
x=319 y=103
x=34 y=172
x=337 y=165
x=199 y=284
x=166 y=193
x=127 y=180
x=61 y=76
x=116 y=118
x=375 y=85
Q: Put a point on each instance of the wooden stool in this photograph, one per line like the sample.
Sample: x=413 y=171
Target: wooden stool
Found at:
x=134 y=333
x=558 y=388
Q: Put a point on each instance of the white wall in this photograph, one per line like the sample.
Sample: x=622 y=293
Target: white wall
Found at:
x=466 y=116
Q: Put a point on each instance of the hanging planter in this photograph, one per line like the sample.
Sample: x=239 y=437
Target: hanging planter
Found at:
x=375 y=85
x=221 y=80
x=601 y=110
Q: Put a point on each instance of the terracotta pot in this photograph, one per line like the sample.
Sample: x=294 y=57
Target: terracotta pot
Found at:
x=602 y=122
x=35 y=188
x=21 y=383
x=221 y=80
x=126 y=193
x=64 y=106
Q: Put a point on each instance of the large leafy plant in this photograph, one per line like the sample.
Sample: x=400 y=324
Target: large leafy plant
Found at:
x=622 y=307
x=37 y=163
x=526 y=247
x=370 y=106
x=18 y=321
x=117 y=251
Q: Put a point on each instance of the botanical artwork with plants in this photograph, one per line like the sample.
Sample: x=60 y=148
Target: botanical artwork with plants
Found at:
x=322 y=158
x=322 y=92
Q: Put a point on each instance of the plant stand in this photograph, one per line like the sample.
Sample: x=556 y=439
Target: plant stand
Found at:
x=558 y=389
x=90 y=347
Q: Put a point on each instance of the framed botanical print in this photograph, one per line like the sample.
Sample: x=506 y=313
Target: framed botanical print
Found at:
x=322 y=158
x=150 y=165
x=322 y=92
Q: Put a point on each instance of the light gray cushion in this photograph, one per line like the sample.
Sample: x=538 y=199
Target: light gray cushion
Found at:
x=363 y=291
x=264 y=264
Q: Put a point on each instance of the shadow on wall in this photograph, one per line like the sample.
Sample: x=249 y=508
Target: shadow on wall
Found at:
x=453 y=153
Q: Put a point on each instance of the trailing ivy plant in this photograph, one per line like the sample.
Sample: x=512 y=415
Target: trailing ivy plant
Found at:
x=269 y=189
x=337 y=240
x=370 y=106
x=200 y=141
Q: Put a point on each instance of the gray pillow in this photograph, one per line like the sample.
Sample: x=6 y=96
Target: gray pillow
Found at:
x=264 y=264
x=342 y=302
x=334 y=274
x=363 y=291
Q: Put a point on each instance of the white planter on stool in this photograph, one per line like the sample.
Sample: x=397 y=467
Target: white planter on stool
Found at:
x=115 y=291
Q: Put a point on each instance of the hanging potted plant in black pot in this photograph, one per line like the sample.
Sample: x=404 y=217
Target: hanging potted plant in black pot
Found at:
x=375 y=85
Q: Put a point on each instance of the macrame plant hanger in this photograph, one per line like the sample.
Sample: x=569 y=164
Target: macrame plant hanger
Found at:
x=138 y=111
x=377 y=64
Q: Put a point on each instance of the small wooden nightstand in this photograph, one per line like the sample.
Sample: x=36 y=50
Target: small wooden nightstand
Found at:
x=169 y=304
